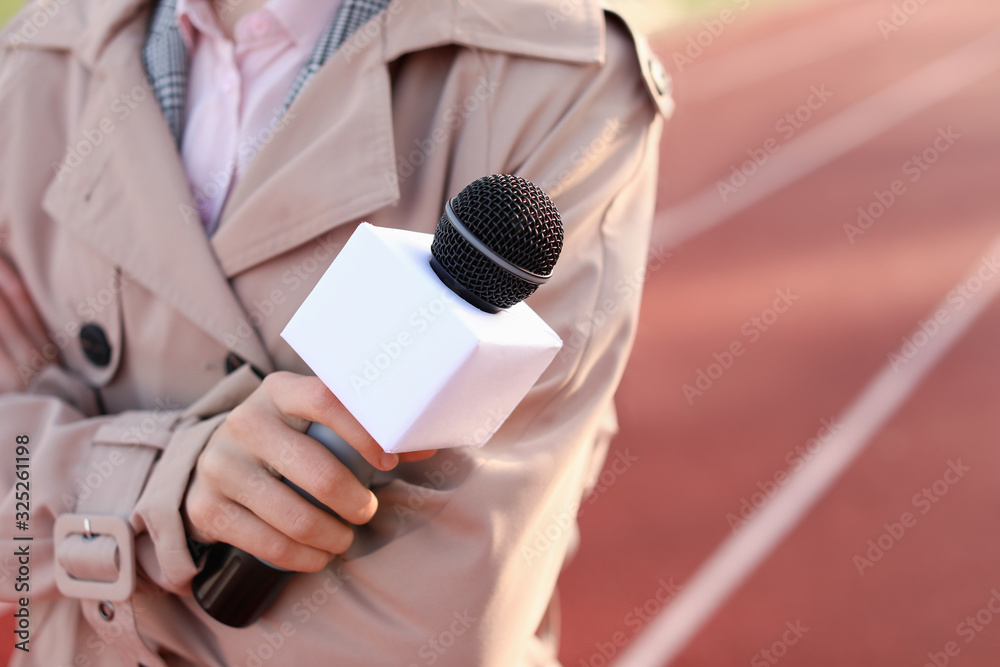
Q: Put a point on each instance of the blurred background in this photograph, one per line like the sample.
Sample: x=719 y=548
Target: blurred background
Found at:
x=8 y=8
x=813 y=390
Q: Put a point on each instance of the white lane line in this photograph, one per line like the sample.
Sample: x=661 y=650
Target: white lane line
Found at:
x=740 y=554
x=790 y=50
x=817 y=147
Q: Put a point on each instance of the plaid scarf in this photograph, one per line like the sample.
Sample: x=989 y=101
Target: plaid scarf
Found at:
x=165 y=55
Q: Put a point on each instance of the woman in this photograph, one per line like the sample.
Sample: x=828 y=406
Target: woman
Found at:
x=174 y=178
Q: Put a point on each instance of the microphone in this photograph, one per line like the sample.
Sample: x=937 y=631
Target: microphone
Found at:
x=495 y=244
x=497 y=241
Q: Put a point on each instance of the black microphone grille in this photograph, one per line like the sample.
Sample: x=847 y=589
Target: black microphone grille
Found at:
x=499 y=238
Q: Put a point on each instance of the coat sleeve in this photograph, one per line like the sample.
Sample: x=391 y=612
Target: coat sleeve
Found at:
x=474 y=540
x=62 y=469
x=59 y=415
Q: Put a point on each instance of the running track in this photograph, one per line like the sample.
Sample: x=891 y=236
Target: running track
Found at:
x=926 y=419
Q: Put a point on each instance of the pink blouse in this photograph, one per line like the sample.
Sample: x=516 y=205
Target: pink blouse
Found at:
x=236 y=88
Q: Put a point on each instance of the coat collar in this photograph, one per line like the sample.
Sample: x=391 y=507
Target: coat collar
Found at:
x=571 y=31
x=130 y=208
x=350 y=99
x=137 y=211
x=82 y=26
x=339 y=126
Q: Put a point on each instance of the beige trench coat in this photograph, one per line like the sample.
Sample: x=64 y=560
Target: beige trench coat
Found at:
x=460 y=563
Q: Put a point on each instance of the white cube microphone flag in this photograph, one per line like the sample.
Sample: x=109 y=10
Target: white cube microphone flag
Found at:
x=416 y=364
x=426 y=341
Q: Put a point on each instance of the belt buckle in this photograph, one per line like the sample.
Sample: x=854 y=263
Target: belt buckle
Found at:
x=93 y=526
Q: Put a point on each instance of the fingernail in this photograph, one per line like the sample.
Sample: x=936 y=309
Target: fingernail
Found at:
x=388 y=460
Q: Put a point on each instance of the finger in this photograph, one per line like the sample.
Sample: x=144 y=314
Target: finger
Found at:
x=296 y=456
x=248 y=484
x=413 y=457
x=15 y=340
x=303 y=399
x=222 y=520
x=17 y=294
x=284 y=509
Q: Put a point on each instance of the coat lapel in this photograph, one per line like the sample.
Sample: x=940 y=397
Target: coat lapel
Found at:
x=128 y=198
x=329 y=160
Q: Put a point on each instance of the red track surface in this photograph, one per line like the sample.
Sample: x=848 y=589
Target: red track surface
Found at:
x=664 y=515
x=662 y=518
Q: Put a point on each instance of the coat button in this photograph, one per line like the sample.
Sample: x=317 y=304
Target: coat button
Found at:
x=659 y=75
x=95 y=344
x=233 y=361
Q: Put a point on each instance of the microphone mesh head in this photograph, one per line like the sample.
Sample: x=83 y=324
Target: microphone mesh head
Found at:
x=516 y=220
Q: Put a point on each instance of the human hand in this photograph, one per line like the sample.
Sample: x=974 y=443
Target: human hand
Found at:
x=22 y=334
x=235 y=496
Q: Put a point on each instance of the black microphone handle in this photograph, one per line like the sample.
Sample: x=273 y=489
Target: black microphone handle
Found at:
x=234 y=587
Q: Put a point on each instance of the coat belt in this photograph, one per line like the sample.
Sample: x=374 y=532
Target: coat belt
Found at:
x=95 y=556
